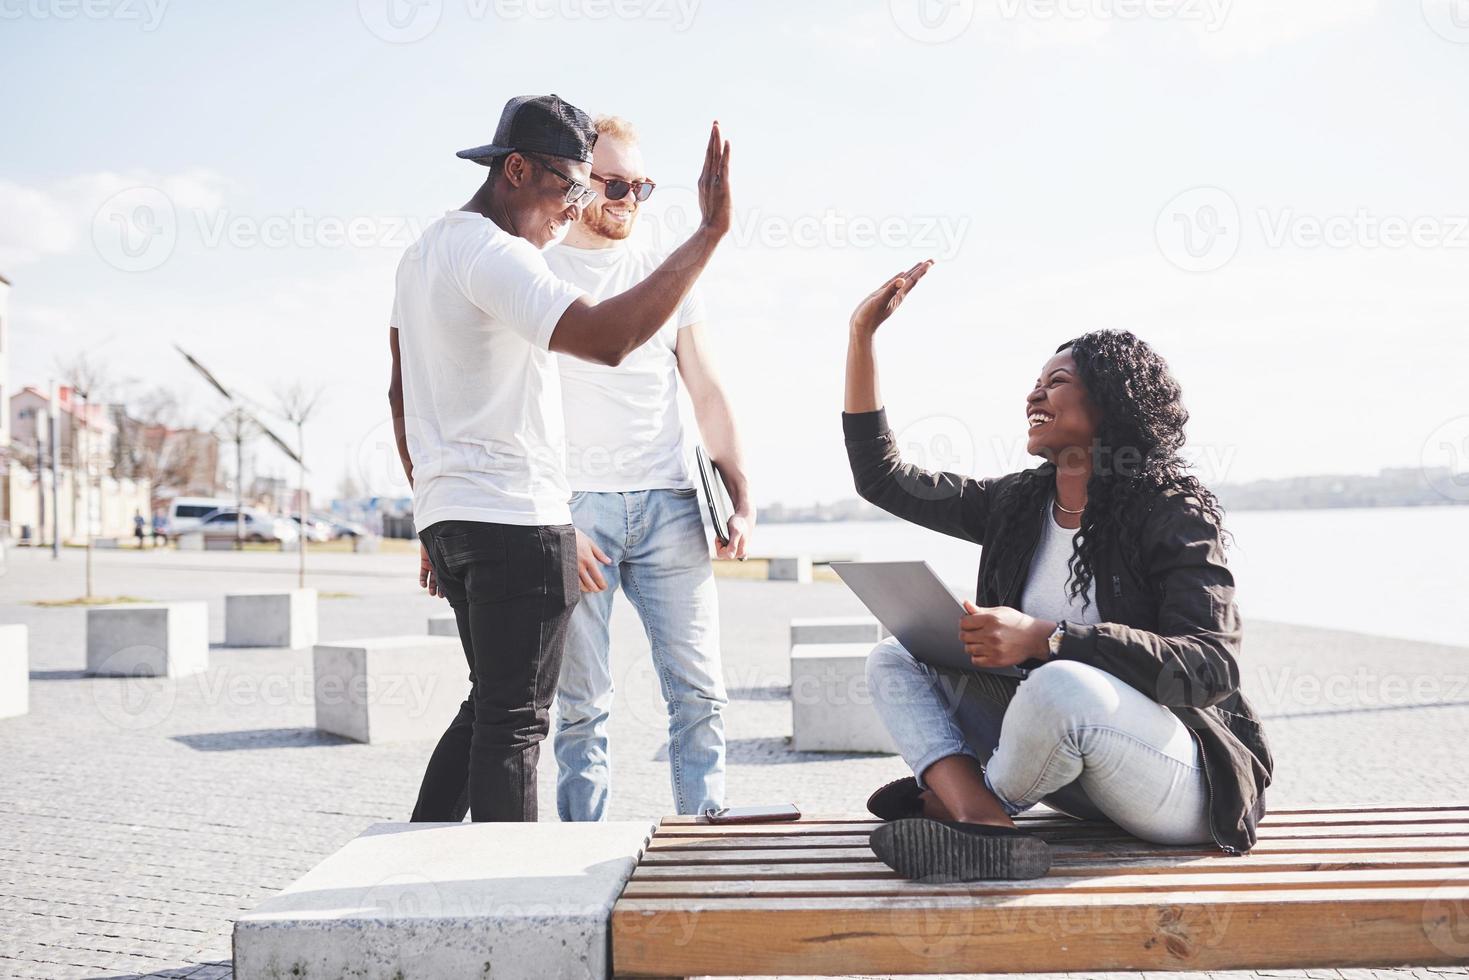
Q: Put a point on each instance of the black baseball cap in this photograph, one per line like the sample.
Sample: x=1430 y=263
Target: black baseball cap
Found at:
x=539 y=124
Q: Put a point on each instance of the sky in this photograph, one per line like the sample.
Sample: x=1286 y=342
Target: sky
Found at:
x=1271 y=194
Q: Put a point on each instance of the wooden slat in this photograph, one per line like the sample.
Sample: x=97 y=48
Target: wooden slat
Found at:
x=1165 y=864
x=743 y=837
x=1091 y=849
x=1261 y=879
x=1390 y=822
x=1345 y=813
x=1334 y=927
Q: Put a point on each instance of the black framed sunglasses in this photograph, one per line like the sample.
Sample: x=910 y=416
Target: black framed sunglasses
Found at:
x=617 y=188
x=577 y=193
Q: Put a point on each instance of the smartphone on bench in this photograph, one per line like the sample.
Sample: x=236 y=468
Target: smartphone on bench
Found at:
x=753 y=814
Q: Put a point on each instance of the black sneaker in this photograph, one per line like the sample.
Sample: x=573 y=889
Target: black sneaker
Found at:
x=941 y=850
x=896 y=800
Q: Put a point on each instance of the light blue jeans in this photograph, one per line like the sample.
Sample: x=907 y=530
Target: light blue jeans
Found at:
x=1069 y=734
x=660 y=559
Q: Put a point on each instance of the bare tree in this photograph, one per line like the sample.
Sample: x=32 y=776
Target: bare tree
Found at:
x=90 y=383
x=297 y=403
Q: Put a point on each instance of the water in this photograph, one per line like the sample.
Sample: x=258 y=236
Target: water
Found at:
x=1391 y=571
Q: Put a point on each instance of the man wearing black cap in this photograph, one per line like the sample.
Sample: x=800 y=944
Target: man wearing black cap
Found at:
x=476 y=401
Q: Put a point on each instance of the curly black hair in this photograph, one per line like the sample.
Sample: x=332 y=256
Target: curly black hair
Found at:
x=1135 y=456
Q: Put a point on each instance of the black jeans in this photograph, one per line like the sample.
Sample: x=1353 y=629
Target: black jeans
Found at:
x=512 y=589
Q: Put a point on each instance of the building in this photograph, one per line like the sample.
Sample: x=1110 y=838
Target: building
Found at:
x=181 y=462
x=87 y=483
x=4 y=367
x=85 y=492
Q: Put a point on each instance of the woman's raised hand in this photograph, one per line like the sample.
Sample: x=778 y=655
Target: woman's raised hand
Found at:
x=880 y=304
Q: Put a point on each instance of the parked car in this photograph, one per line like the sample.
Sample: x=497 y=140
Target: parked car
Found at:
x=350 y=529
x=316 y=529
x=257 y=526
x=185 y=513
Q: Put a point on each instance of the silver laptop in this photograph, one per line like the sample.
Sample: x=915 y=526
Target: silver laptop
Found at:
x=916 y=607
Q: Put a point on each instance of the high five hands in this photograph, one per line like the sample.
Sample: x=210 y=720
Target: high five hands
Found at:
x=882 y=302
x=714 y=199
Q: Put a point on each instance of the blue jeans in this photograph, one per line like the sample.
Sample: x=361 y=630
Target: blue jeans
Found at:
x=1069 y=734
x=660 y=558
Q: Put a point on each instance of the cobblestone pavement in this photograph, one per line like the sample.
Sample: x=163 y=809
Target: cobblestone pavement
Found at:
x=139 y=817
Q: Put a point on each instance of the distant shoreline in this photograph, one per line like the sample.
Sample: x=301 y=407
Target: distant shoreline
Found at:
x=848 y=511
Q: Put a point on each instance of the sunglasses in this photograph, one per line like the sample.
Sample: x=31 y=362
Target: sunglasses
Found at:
x=617 y=188
x=577 y=193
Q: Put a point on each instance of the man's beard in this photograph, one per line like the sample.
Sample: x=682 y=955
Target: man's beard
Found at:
x=599 y=224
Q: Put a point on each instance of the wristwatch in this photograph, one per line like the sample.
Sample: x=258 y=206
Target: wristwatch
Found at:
x=1054 y=640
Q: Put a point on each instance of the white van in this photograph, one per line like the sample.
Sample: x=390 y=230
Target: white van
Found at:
x=184 y=513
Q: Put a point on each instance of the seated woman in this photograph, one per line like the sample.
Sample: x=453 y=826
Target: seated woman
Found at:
x=1102 y=576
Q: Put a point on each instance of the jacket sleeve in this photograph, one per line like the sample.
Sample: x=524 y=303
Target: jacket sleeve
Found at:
x=1190 y=660
x=944 y=502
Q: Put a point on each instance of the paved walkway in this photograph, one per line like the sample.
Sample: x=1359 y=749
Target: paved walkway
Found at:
x=138 y=818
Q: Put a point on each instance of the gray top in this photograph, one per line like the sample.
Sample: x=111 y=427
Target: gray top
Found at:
x=1046 y=594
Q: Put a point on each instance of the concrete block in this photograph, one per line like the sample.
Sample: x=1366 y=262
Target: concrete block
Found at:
x=836 y=629
x=389 y=689
x=444 y=624
x=795 y=568
x=15 y=671
x=367 y=544
x=271 y=619
x=163 y=639
x=108 y=544
x=831 y=706
x=193 y=541
x=215 y=542
x=449 y=900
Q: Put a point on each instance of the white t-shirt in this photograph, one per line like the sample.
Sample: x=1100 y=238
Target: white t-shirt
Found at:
x=623 y=427
x=475 y=309
x=1047 y=595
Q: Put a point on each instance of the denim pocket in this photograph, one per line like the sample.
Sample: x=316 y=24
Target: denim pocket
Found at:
x=688 y=492
x=562 y=548
x=464 y=542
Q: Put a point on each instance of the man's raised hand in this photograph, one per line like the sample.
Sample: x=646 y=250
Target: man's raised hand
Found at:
x=714 y=199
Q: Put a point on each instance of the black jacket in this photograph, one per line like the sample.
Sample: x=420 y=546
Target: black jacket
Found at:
x=1170 y=628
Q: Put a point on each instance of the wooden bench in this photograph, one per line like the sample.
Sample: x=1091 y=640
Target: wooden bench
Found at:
x=1340 y=887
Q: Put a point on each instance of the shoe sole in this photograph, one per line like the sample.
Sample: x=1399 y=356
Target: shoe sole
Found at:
x=925 y=850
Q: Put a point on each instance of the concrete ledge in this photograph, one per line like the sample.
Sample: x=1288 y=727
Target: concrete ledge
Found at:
x=164 y=639
x=790 y=568
x=369 y=544
x=831 y=706
x=448 y=900
x=389 y=689
x=836 y=629
x=193 y=541
x=444 y=624
x=271 y=619
x=15 y=671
